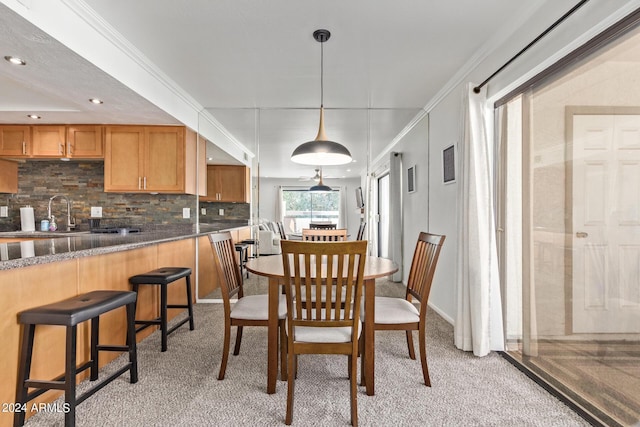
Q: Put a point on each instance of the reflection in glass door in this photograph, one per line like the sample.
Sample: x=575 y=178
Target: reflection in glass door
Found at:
x=572 y=218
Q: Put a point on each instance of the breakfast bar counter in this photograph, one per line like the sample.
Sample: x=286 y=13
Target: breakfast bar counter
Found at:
x=39 y=269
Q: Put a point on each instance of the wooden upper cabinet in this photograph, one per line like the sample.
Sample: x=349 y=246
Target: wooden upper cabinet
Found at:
x=123 y=158
x=8 y=176
x=164 y=159
x=52 y=141
x=49 y=141
x=156 y=159
x=227 y=183
x=85 y=142
x=15 y=141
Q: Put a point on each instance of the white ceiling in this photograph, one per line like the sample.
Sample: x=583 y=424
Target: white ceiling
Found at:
x=255 y=67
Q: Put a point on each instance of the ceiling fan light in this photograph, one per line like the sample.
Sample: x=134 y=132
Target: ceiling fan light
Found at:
x=320 y=188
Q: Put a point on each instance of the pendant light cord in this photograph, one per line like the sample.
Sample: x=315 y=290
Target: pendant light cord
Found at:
x=322 y=74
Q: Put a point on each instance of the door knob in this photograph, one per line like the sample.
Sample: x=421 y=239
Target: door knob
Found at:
x=581 y=234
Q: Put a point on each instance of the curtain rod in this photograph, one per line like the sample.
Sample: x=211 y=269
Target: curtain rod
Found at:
x=534 y=41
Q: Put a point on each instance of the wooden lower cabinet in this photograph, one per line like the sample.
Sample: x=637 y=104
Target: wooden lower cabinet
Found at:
x=23 y=288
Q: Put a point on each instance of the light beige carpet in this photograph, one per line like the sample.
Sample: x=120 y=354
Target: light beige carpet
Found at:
x=179 y=387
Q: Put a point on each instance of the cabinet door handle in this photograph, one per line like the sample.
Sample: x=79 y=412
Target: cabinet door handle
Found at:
x=60 y=149
x=582 y=234
x=139 y=183
x=145 y=183
x=69 y=148
x=24 y=147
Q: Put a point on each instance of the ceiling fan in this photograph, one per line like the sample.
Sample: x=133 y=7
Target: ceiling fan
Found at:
x=315 y=177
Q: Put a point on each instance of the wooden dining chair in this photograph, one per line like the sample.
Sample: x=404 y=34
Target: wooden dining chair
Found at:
x=283 y=235
x=324 y=235
x=314 y=328
x=322 y=226
x=400 y=313
x=360 y=235
x=249 y=310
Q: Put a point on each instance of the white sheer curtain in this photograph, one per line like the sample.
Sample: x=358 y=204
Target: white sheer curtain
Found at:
x=395 y=213
x=478 y=325
x=279 y=205
x=342 y=209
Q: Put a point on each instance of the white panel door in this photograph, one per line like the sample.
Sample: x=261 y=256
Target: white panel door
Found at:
x=606 y=223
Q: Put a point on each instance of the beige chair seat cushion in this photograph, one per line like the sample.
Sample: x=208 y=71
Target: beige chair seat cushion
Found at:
x=393 y=311
x=256 y=307
x=328 y=335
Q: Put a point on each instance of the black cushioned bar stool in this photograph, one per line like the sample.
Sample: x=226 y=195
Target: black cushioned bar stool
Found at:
x=243 y=253
x=162 y=277
x=69 y=313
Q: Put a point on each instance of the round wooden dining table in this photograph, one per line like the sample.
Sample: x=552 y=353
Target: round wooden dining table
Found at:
x=271 y=267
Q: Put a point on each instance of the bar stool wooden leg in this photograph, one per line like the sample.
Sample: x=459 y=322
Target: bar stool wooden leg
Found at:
x=24 y=371
x=70 y=378
x=95 y=330
x=190 y=303
x=131 y=343
x=163 y=316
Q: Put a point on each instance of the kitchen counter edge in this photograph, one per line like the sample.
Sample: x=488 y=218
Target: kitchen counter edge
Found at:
x=131 y=241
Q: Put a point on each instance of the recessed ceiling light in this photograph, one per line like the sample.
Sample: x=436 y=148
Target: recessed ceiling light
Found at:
x=210 y=158
x=96 y=100
x=15 y=60
x=34 y=116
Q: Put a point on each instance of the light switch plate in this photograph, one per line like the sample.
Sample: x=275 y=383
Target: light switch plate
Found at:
x=203 y=211
x=221 y=212
x=4 y=211
x=186 y=213
x=96 y=211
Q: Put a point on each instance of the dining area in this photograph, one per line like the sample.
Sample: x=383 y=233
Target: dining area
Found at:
x=321 y=299
x=184 y=385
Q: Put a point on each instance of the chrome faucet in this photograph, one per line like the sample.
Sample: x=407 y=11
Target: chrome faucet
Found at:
x=71 y=223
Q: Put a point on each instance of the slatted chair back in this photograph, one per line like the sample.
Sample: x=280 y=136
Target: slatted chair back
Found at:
x=320 y=235
x=306 y=265
x=423 y=266
x=360 y=235
x=323 y=226
x=227 y=266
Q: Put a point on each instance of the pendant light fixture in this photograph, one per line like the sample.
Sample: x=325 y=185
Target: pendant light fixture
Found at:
x=321 y=151
x=320 y=187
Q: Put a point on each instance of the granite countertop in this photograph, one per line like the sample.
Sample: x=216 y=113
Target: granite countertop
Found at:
x=45 y=248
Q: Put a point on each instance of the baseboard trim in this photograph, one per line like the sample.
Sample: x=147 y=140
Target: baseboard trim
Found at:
x=442 y=314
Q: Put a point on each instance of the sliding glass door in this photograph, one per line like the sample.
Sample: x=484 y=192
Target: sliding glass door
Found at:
x=570 y=230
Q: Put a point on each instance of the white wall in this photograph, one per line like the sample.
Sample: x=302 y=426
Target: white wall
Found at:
x=436 y=209
x=269 y=196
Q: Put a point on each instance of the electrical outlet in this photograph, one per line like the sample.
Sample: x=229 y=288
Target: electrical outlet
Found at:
x=221 y=212
x=4 y=211
x=96 y=211
x=186 y=213
x=203 y=211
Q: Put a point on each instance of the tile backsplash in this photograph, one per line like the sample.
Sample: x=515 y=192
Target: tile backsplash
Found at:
x=83 y=183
